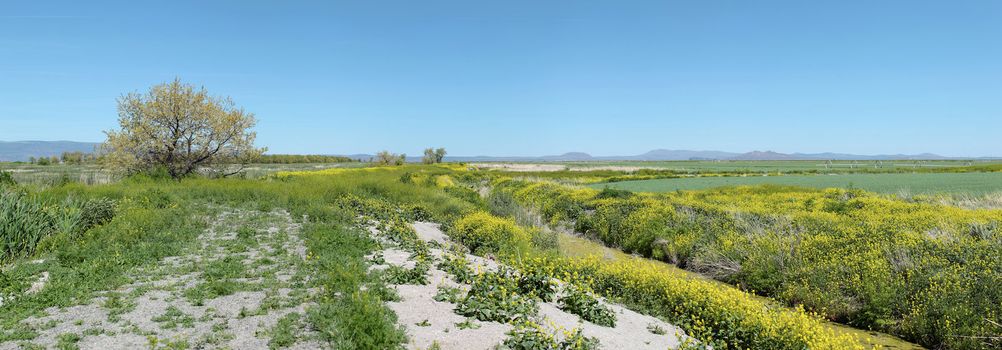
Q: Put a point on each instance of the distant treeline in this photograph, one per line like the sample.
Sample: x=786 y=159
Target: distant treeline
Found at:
x=65 y=158
x=300 y=158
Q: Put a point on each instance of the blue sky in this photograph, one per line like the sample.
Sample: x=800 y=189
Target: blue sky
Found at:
x=526 y=77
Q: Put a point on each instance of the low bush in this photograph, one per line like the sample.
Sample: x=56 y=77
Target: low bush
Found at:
x=544 y=238
x=535 y=283
x=6 y=179
x=484 y=233
x=96 y=211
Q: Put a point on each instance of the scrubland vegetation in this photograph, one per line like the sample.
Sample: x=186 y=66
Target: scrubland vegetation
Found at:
x=920 y=270
x=925 y=271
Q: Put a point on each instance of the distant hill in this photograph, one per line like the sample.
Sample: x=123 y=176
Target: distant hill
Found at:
x=23 y=150
x=770 y=155
x=571 y=156
x=664 y=154
x=667 y=155
x=670 y=155
x=767 y=155
x=843 y=156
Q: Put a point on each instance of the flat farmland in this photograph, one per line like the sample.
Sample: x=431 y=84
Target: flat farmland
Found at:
x=915 y=183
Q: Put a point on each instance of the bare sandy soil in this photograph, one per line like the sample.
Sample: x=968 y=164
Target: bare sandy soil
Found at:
x=429 y=322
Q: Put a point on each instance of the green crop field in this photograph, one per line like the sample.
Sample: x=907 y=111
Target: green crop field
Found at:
x=915 y=183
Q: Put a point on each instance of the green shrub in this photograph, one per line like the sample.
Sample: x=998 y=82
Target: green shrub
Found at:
x=544 y=239
x=6 y=179
x=96 y=211
x=535 y=283
x=484 y=233
x=607 y=192
x=156 y=198
x=501 y=203
x=465 y=194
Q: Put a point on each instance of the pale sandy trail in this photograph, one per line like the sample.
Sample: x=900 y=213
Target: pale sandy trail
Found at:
x=430 y=322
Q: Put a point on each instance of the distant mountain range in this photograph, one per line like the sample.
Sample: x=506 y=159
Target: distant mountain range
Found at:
x=664 y=155
x=23 y=150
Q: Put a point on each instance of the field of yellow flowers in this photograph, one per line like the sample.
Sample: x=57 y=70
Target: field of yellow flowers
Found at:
x=927 y=272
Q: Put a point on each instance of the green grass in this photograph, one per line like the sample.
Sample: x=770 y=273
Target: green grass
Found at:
x=917 y=183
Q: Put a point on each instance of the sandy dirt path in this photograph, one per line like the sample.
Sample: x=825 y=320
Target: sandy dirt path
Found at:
x=429 y=322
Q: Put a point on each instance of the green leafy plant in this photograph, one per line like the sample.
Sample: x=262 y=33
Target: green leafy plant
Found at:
x=468 y=324
x=448 y=294
x=400 y=275
x=536 y=283
x=493 y=297
x=581 y=303
x=458 y=267
x=656 y=329
x=531 y=336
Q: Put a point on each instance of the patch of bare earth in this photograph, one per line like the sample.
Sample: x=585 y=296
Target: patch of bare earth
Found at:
x=429 y=322
x=244 y=276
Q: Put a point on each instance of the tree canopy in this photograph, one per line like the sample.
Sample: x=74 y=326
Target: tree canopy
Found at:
x=180 y=130
x=387 y=158
x=432 y=155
